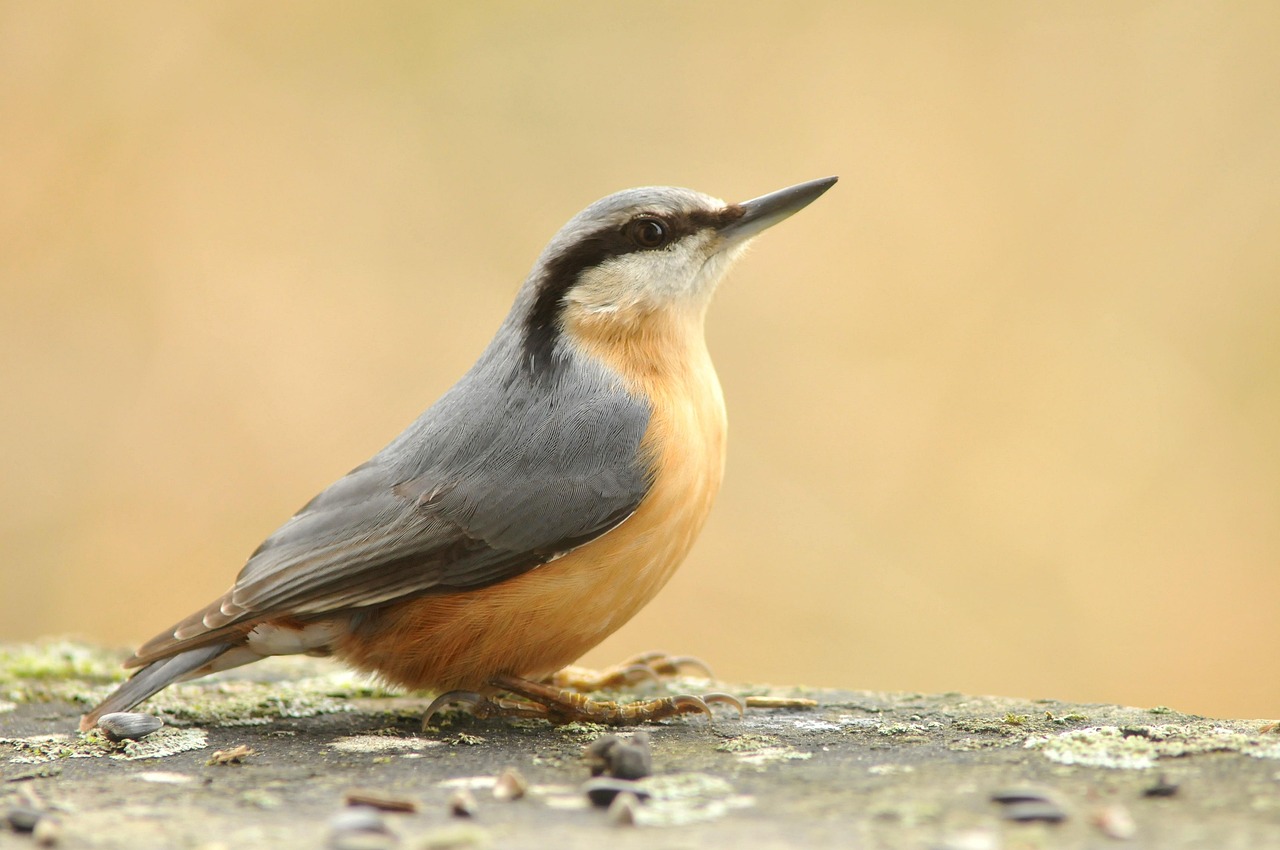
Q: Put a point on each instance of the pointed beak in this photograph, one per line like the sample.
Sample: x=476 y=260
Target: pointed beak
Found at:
x=767 y=210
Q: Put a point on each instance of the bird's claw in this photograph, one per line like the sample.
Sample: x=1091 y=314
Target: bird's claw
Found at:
x=471 y=698
x=687 y=704
x=647 y=666
x=720 y=697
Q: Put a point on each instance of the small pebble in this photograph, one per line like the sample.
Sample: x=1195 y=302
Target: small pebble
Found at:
x=359 y=828
x=1162 y=788
x=48 y=832
x=970 y=839
x=621 y=759
x=511 y=785
x=1115 y=822
x=362 y=841
x=128 y=725
x=462 y=804
x=622 y=811
x=602 y=790
x=23 y=819
x=1033 y=810
x=357 y=819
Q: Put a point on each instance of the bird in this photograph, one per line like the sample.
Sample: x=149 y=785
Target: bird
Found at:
x=535 y=507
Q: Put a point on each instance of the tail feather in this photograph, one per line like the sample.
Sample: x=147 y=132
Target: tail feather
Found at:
x=151 y=679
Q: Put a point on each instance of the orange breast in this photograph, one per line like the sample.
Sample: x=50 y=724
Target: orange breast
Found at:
x=538 y=622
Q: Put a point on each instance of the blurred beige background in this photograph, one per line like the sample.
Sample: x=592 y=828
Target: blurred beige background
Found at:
x=1004 y=404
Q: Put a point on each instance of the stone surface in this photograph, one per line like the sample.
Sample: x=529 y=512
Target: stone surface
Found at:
x=858 y=770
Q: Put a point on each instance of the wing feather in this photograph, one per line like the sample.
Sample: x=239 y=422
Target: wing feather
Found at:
x=470 y=495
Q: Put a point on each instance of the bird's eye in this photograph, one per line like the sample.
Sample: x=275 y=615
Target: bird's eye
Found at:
x=647 y=233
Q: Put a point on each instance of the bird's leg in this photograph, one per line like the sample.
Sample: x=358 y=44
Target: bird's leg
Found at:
x=562 y=699
x=647 y=666
x=564 y=706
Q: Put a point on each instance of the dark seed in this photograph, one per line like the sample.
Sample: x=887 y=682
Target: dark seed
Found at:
x=596 y=753
x=1162 y=788
x=1021 y=794
x=131 y=725
x=631 y=760
x=620 y=759
x=1036 y=810
x=23 y=819
x=601 y=790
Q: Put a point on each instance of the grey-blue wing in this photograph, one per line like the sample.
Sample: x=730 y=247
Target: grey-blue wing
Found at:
x=485 y=486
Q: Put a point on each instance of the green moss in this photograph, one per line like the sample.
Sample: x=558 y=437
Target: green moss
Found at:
x=41 y=748
x=260 y=799
x=57 y=660
x=760 y=750
x=748 y=743
x=165 y=742
x=583 y=731
x=208 y=703
x=1140 y=747
x=38 y=749
x=980 y=724
x=53 y=670
x=969 y=745
x=680 y=799
x=908 y=812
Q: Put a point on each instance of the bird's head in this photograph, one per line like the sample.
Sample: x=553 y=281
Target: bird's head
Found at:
x=642 y=256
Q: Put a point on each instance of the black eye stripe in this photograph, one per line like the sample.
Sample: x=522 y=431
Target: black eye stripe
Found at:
x=560 y=274
x=680 y=225
x=562 y=271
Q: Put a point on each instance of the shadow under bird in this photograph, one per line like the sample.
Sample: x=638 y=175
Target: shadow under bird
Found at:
x=536 y=506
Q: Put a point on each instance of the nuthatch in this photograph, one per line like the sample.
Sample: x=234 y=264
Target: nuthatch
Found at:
x=534 y=508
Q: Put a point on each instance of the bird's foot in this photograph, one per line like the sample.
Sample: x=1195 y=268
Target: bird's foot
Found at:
x=565 y=706
x=482 y=707
x=559 y=706
x=648 y=666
